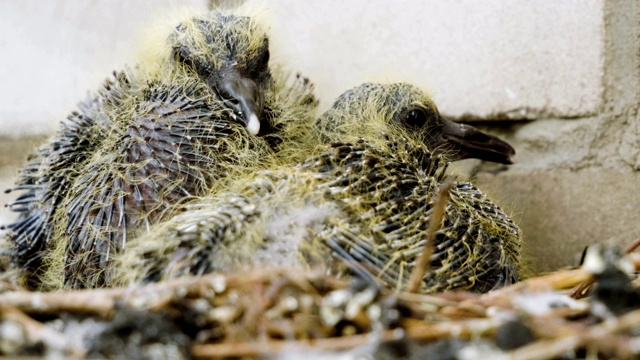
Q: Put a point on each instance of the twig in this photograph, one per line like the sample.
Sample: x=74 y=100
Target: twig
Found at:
x=98 y=301
x=546 y=349
x=581 y=289
x=424 y=260
x=245 y=349
x=460 y=329
x=634 y=245
x=550 y=282
x=576 y=338
x=425 y=299
x=102 y=301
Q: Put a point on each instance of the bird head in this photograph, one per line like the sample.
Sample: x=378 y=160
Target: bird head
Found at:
x=399 y=110
x=231 y=54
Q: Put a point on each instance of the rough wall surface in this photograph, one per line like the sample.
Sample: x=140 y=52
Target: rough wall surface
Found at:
x=54 y=52
x=490 y=59
x=576 y=182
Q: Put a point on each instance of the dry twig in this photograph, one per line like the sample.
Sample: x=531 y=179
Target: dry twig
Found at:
x=423 y=261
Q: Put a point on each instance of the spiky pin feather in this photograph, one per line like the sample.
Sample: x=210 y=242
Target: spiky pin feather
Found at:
x=152 y=137
x=361 y=205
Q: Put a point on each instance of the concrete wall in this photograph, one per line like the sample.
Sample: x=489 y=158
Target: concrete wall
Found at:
x=486 y=59
x=492 y=59
x=576 y=182
x=55 y=52
x=571 y=65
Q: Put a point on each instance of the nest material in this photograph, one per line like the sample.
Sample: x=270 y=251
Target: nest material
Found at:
x=276 y=311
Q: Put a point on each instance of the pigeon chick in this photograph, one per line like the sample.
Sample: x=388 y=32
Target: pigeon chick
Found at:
x=360 y=204
x=151 y=137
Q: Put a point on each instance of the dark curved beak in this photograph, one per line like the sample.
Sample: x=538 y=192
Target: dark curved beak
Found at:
x=241 y=94
x=462 y=141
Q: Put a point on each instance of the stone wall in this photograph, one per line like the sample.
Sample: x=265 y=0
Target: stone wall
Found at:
x=576 y=181
x=491 y=59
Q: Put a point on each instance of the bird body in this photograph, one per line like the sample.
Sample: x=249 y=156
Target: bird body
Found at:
x=148 y=140
x=360 y=204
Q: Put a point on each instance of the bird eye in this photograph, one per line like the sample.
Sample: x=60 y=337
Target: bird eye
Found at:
x=265 y=59
x=416 y=118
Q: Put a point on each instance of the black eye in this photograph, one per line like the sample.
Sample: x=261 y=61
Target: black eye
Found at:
x=264 y=61
x=184 y=55
x=416 y=118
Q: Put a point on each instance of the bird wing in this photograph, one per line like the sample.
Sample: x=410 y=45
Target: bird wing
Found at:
x=166 y=143
x=191 y=243
x=390 y=202
x=51 y=171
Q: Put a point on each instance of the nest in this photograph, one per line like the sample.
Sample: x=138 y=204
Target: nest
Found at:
x=277 y=311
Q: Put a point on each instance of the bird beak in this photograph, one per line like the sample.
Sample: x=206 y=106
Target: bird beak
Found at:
x=241 y=94
x=464 y=141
